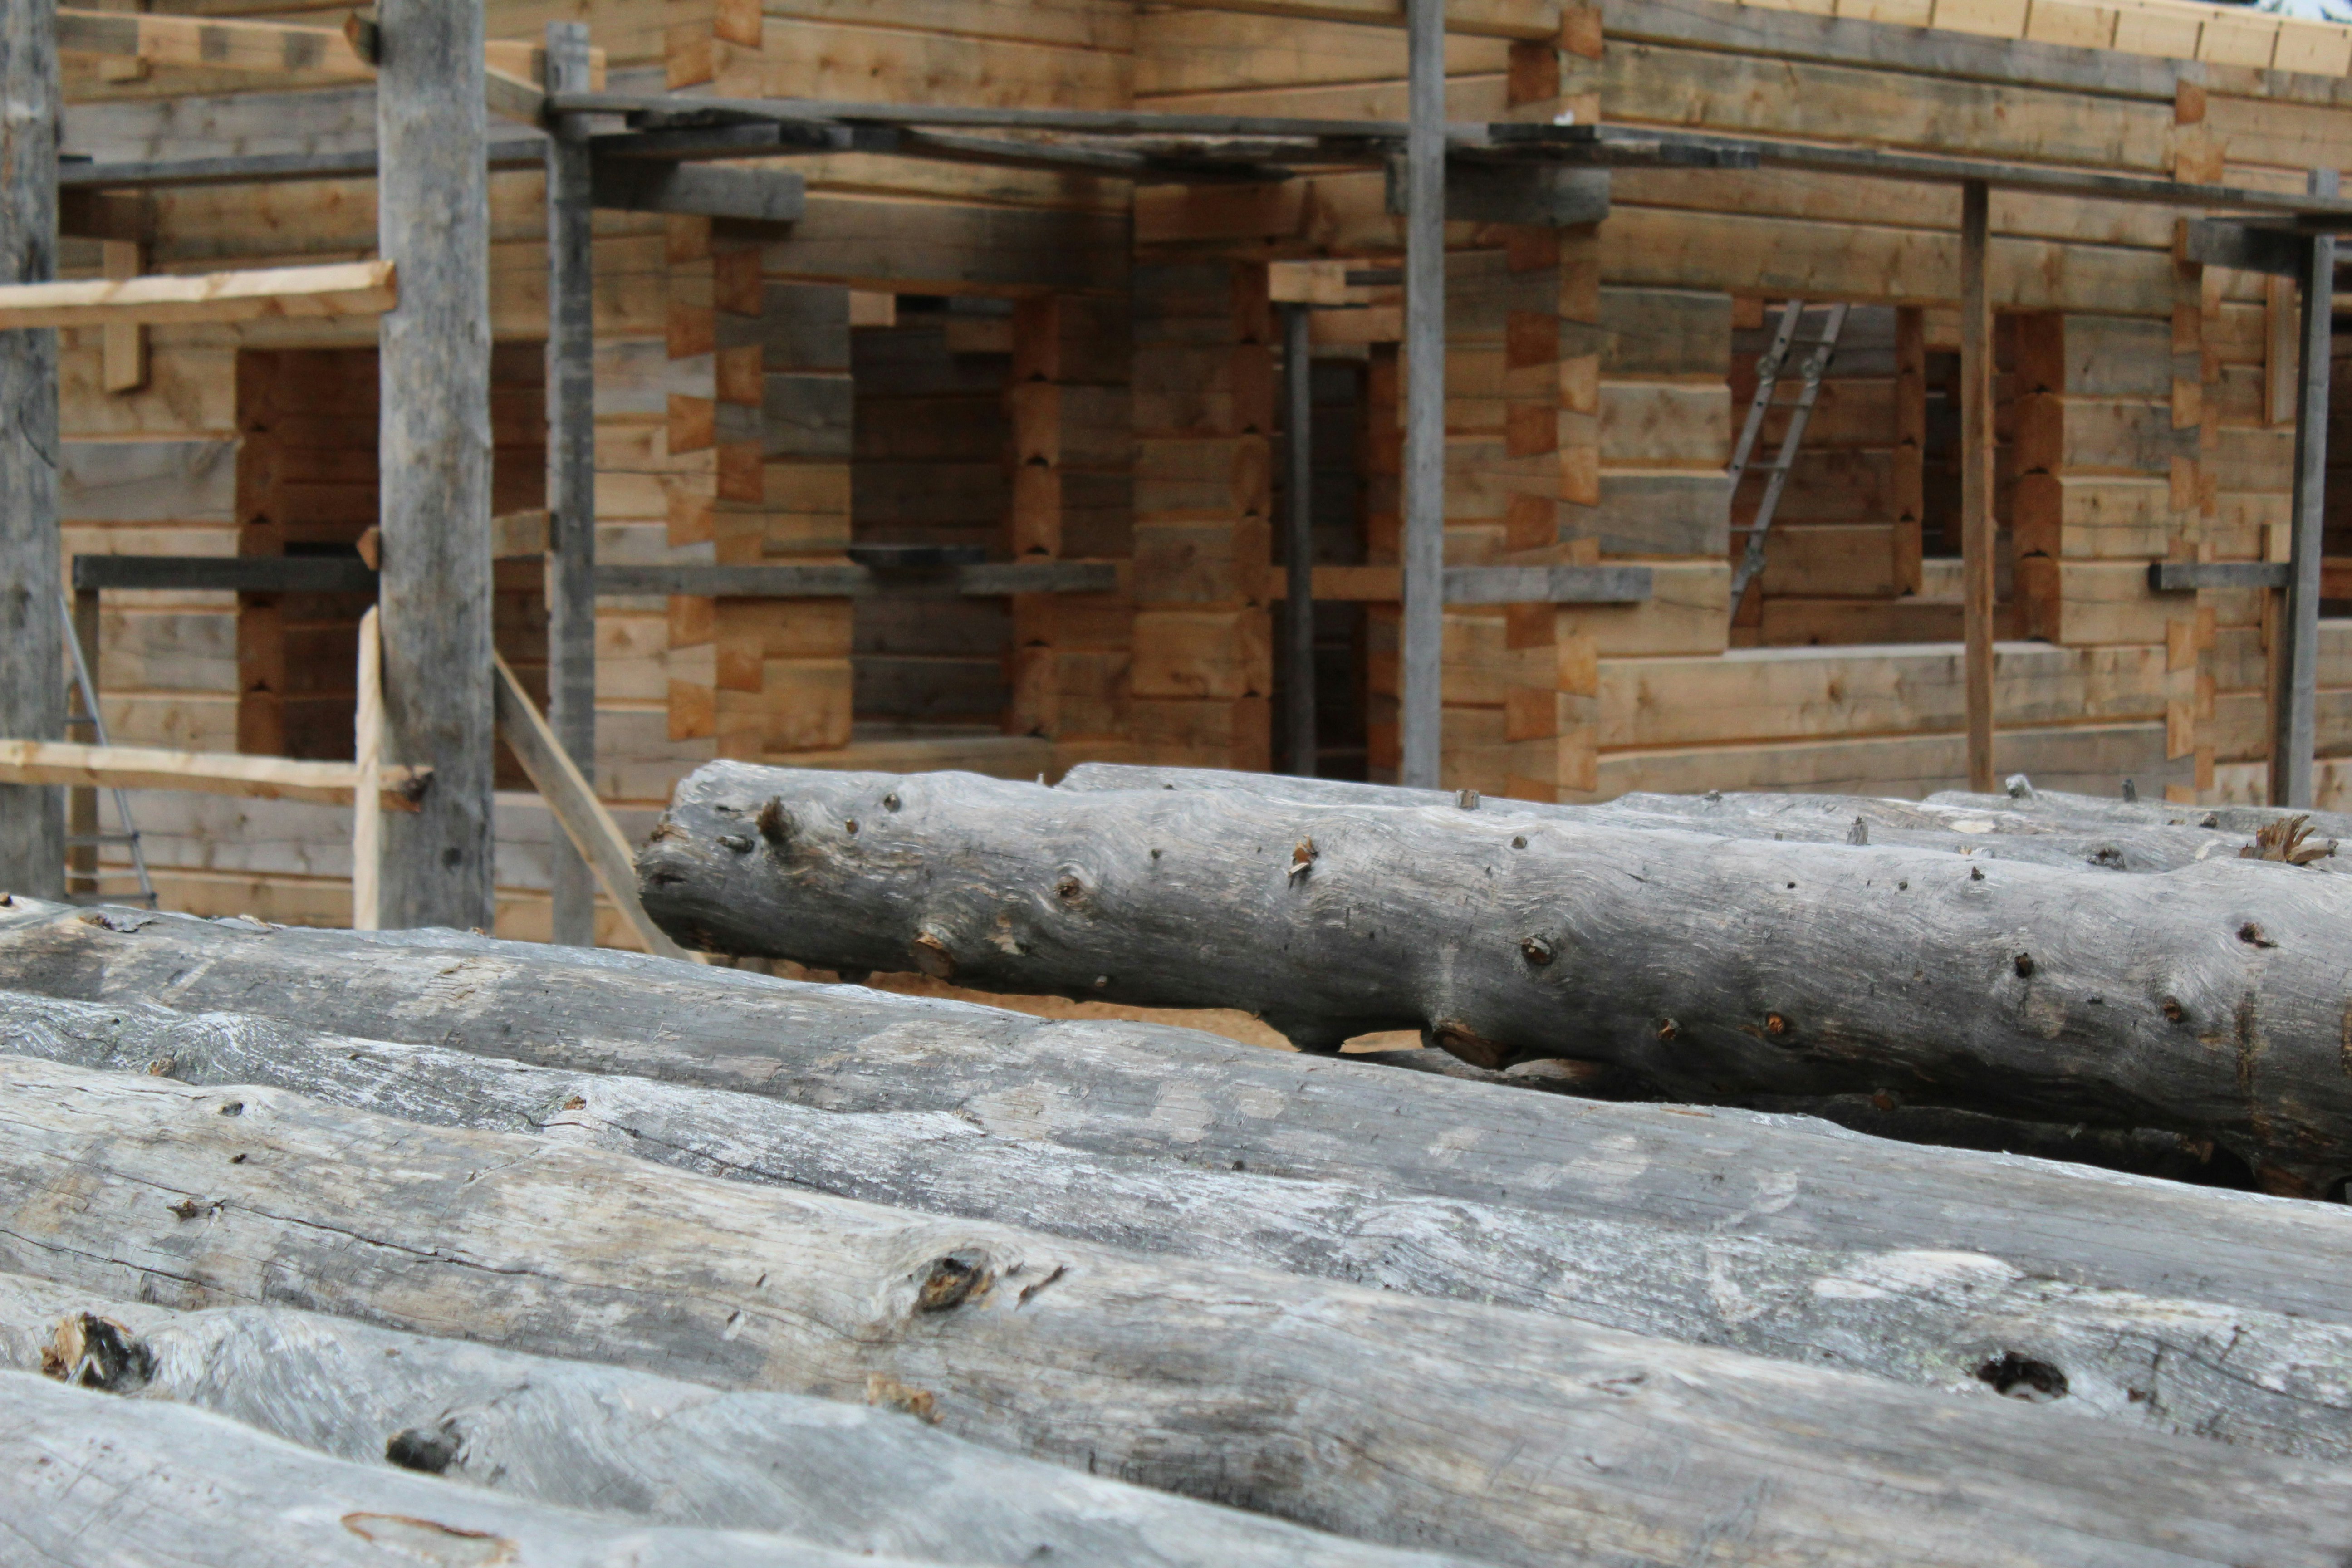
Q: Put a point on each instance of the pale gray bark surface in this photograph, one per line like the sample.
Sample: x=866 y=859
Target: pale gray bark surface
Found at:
x=95 y=1481
x=1178 y=1094
x=1489 y=1433
x=433 y=223
x=2057 y=806
x=32 y=626
x=1944 y=1319
x=577 y=1435
x=1981 y=827
x=2210 y=1000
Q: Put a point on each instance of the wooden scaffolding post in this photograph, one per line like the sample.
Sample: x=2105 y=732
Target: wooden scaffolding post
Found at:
x=1421 y=720
x=571 y=467
x=433 y=223
x=1298 y=540
x=2294 y=708
x=1977 y=479
x=32 y=645
x=1034 y=406
x=81 y=804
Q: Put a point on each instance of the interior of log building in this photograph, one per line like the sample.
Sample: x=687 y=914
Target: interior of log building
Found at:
x=796 y=720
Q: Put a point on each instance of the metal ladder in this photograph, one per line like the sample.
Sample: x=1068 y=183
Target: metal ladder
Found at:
x=1768 y=384
x=90 y=718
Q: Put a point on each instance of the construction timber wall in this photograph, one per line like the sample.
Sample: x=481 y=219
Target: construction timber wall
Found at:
x=1080 y=369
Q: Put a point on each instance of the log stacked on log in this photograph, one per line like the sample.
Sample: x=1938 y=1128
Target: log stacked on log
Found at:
x=574 y=1435
x=1111 y=1088
x=2208 y=1000
x=1500 y=1435
x=1114 y=1247
x=1953 y=1320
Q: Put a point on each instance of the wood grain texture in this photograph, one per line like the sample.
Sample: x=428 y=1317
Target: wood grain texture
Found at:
x=1176 y=1094
x=32 y=621
x=1707 y=967
x=1936 y=1320
x=184 y=1487
x=435 y=593
x=638 y=1447
x=1500 y=1435
x=338 y=288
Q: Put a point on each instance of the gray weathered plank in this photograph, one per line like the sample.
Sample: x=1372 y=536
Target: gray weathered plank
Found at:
x=1940 y=1320
x=570 y=463
x=433 y=220
x=1112 y=1088
x=1516 y=1438
x=2207 y=1000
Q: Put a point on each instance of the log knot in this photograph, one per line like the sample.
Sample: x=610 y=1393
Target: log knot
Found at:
x=1302 y=856
x=92 y=1351
x=775 y=824
x=2253 y=936
x=952 y=1280
x=428 y=1450
x=1536 y=951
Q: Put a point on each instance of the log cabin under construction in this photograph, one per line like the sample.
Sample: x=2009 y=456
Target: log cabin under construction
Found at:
x=1060 y=346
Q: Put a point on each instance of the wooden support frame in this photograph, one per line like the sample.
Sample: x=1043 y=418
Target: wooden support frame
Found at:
x=1421 y=707
x=81 y=765
x=1298 y=540
x=570 y=535
x=435 y=591
x=572 y=802
x=2294 y=702
x=1977 y=455
x=367 y=764
x=31 y=645
x=337 y=289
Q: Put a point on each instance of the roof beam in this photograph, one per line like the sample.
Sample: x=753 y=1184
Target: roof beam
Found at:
x=338 y=288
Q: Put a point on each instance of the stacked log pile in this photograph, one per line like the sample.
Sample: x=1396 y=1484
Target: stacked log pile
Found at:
x=423 y=1246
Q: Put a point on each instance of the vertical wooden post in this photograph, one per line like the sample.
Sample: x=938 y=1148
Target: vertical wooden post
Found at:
x=1421 y=687
x=1298 y=541
x=571 y=467
x=1977 y=479
x=367 y=797
x=32 y=645
x=1910 y=446
x=1034 y=404
x=433 y=222
x=82 y=805
x=2293 y=734
x=123 y=347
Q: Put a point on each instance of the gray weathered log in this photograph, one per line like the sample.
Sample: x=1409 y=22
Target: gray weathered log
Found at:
x=1115 y=1087
x=2060 y=806
x=2208 y=1001
x=578 y=1434
x=95 y=1481
x=1510 y=1436
x=32 y=624
x=1983 y=828
x=1945 y=1320
x=433 y=223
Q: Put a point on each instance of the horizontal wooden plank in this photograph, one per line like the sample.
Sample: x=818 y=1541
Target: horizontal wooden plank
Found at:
x=210 y=773
x=341 y=289
x=1703 y=89
x=2091 y=759
x=1750 y=694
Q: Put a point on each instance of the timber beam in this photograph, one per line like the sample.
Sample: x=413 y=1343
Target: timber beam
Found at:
x=337 y=289
x=855 y=581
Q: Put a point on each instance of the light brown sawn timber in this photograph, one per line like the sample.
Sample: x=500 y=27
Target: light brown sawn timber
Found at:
x=1938 y=1320
x=336 y=288
x=572 y=802
x=1147 y=1090
x=577 y=1435
x=180 y=1486
x=207 y=773
x=1506 y=1435
x=2200 y=1000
